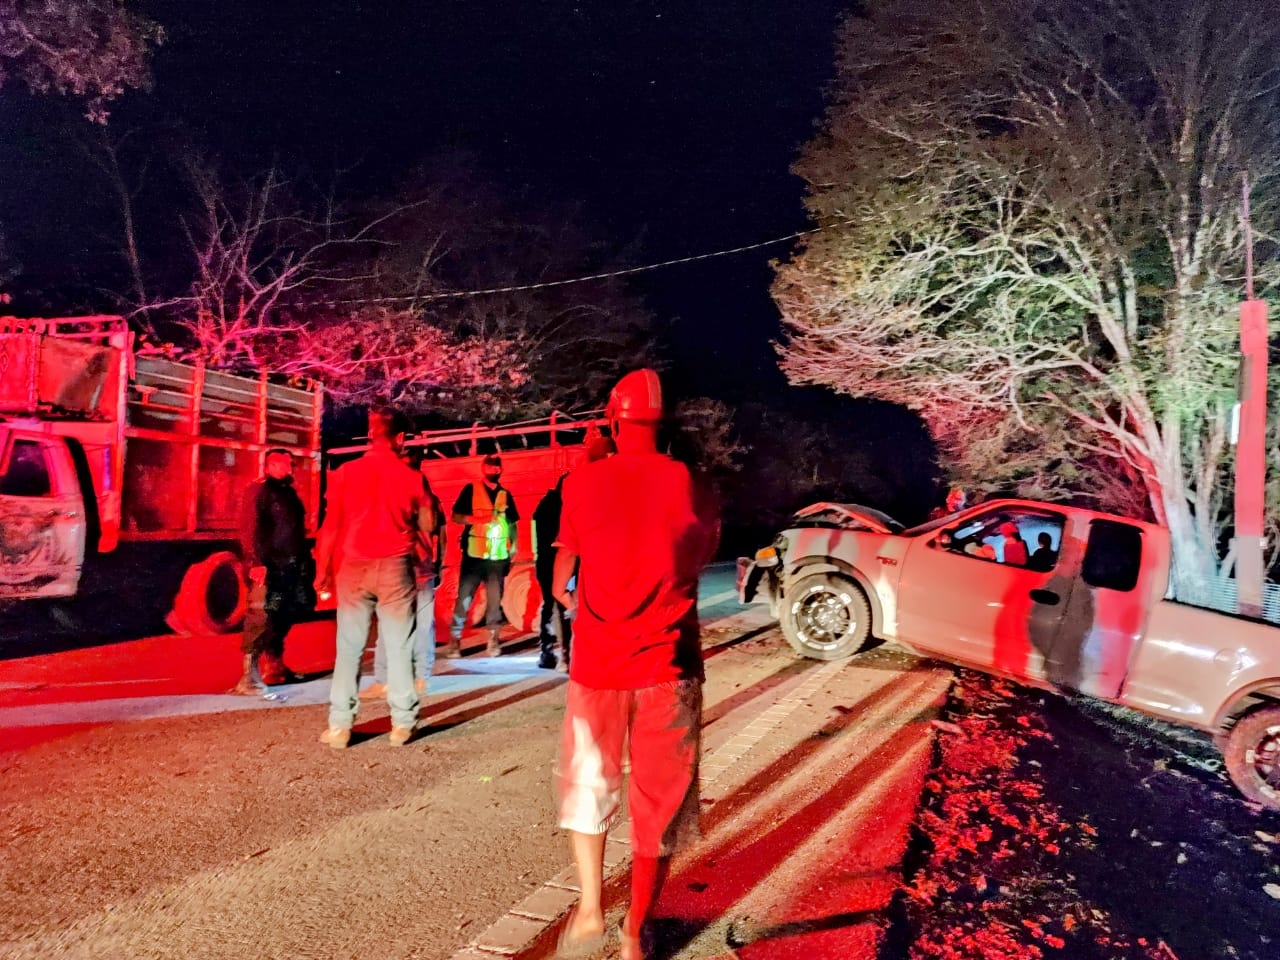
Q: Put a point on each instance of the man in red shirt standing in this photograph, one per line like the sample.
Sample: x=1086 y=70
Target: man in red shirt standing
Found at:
x=377 y=513
x=639 y=530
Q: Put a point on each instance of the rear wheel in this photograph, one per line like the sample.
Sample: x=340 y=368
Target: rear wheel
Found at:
x=825 y=616
x=1253 y=756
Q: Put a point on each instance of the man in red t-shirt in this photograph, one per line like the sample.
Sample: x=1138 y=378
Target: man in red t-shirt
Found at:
x=639 y=530
x=377 y=513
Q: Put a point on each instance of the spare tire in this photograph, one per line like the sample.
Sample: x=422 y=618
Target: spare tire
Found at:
x=522 y=598
x=212 y=597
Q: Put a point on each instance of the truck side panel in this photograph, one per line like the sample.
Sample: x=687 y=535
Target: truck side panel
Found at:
x=1192 y=661
x=195 y=440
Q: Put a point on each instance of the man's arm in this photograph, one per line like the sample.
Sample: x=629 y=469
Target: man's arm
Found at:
x=513 y=517
x=251 y=539
x=427 y=519
x=566 y=565
x=462 y=514
x=331 y=533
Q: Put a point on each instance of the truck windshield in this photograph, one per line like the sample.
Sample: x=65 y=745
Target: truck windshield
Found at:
x=27 y=474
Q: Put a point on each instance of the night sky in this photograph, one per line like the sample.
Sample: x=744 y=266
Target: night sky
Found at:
x=668 y=128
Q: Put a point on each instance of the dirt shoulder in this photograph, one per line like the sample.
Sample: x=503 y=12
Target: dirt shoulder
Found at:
x=1057 y=829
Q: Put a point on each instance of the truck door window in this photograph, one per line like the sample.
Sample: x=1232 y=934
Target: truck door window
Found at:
x=1015 y=537
x=27 y=472
x=1113 y=557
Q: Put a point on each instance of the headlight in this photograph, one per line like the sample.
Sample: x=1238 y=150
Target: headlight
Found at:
x=767 y=557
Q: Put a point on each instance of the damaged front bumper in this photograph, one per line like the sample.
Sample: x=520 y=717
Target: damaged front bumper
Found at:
x=757 y=577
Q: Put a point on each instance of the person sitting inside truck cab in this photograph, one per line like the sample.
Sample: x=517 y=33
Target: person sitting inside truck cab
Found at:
x=1045 y=556
x=1014 y=547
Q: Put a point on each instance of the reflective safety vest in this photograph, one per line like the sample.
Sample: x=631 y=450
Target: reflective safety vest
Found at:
x=488 y=540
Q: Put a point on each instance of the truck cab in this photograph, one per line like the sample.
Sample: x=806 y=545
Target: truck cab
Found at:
x=42 y=515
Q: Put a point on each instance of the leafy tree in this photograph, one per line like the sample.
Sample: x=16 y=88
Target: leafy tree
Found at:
x=91 y=49
x=1037 y=240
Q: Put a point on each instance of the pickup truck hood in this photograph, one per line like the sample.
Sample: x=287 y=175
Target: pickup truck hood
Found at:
x=847 y=516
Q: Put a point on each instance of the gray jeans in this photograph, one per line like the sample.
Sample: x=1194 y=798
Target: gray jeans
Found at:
x=424 y=637
x=364 y=586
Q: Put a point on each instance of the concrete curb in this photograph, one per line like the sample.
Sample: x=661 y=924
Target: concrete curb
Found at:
x=538 y=917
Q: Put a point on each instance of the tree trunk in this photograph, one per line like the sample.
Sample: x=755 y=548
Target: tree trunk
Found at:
x=1194 y=562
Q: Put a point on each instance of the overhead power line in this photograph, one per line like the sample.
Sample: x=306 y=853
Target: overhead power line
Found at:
x=607 y=275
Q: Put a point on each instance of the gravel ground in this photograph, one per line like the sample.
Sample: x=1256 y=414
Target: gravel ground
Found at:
x=1180 y=855
x=239 y=835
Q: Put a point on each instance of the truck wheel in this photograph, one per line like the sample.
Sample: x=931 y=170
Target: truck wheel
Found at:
x=825 y=616
x=212 y=598
x=1252 y=754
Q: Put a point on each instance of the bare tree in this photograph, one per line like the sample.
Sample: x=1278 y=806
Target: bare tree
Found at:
x=271 y=278
x=104 y=148
x=1042 y=245
x=447 y=230
x=92 y=49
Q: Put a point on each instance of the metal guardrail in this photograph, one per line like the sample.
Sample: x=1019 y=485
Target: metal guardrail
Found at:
x=1220 y=593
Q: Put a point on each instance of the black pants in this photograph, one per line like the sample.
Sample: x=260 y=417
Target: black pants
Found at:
x=552 y=619
x=492 y=573
x=269 y=620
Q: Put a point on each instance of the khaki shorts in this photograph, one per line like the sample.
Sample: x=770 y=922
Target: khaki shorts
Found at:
x=657 y=731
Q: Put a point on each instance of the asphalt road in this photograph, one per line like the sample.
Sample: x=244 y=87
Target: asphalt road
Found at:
x=144 y=814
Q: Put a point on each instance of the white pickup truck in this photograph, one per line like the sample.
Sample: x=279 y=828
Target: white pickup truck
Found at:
x=1049 y=595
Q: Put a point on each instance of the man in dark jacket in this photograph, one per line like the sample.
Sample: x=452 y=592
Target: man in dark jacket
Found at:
x=273 y=538
x=553 y=625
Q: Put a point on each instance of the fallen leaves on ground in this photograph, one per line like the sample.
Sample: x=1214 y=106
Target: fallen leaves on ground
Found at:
x=988 y=888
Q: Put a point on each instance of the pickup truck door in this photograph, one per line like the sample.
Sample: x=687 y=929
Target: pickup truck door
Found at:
x=42 y=526
x=1120 y=577
x=960 y=600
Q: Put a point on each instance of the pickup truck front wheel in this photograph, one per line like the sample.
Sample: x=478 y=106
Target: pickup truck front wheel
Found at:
x=826 y=617
x=1253 y=756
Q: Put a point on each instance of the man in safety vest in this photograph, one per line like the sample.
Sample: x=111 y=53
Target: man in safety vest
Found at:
x=638 y=527
x=488 y=514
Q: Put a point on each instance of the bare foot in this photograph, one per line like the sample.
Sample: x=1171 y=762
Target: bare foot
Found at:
x=631 y=947
x=583 y=934
x=245 y=688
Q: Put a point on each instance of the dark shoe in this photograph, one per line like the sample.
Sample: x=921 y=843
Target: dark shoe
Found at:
x=451 y=650
x=547 y=661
